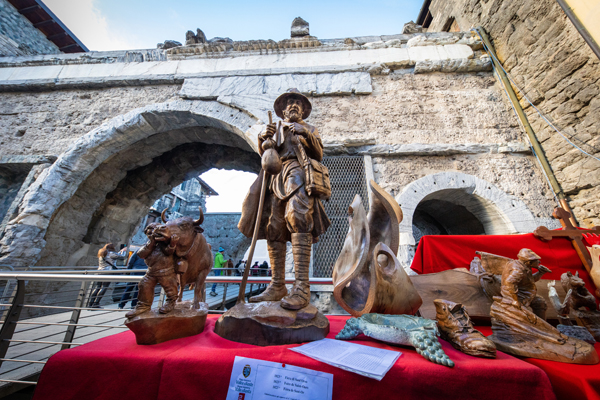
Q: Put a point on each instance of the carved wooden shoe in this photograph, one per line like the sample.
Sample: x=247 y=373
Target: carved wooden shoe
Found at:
x=167 y=308
x=456 y=328
x=271 y=293
x=137 y=311
x=298 y=298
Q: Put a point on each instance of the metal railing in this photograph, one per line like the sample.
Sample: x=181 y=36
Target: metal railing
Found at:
x=46 y=309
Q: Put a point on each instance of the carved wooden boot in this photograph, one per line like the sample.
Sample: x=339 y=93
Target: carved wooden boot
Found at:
x=456 y=328
x=299 y=295
x=168 y=306
x=140 y=308
x=276 y=289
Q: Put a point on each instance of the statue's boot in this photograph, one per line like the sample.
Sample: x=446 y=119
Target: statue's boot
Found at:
x=141 y=307
x=299 y=295
x=276 y=289
x=168 y=306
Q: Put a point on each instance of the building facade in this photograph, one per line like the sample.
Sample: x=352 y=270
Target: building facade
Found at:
x=423 y=110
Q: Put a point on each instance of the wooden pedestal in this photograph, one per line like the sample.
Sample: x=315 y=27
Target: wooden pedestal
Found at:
x=268 y=324
x=152 y=327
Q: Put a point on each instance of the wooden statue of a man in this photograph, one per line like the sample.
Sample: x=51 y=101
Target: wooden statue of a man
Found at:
x=292 y=210
x=518 y=282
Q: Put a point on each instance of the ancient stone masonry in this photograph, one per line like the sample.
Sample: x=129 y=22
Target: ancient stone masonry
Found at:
x=126 y=127
x=18 y=37
x=221 y=230
x=559 y=73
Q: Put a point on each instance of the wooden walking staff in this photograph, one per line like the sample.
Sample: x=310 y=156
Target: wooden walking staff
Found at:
x=271 y=165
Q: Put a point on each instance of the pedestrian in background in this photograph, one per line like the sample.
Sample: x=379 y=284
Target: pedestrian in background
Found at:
x=107 y=257
x=219 y=262
x=135 y=262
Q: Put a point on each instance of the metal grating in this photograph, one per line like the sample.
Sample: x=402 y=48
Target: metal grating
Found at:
x=347 y=175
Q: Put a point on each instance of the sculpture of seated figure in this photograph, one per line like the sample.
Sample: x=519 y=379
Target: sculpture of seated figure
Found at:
x=519 y=331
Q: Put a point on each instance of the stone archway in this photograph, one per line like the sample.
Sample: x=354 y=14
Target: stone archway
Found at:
x=155 y=147
x=497 y=212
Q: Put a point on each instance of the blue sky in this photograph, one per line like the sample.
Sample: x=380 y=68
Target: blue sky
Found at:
x=130 y=24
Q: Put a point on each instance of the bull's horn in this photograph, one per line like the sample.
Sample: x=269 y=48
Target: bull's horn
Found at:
x=200 y=220
x=163 y=215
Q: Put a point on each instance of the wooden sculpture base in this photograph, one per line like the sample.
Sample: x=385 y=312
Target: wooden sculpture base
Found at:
x=590 y=320
x=268 y=324
x=153 y=327
x=520 y=332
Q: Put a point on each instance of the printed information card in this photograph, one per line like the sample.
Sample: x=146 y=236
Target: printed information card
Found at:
x=256 y=379
x=364 y=360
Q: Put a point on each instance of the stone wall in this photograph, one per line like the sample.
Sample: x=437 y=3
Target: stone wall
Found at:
x=546 y=56
x=418 y=105
x=220 y=229
x=49 y=122
x=18 y=37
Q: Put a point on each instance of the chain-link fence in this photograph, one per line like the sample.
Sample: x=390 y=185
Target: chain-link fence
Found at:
x=347 y=175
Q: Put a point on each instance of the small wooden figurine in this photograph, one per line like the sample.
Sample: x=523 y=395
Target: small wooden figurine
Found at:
x=579 y=303
x=519 y=331
x=176 y=253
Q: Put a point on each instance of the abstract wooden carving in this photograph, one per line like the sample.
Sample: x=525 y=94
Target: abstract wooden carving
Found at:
x=367 y=276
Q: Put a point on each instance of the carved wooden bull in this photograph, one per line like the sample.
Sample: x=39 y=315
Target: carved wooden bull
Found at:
x=193 y=253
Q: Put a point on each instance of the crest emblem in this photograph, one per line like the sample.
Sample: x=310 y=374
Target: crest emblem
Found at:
x=246 y=371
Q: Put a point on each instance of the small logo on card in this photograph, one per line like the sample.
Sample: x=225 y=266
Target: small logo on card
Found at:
x=246 y=371
x=241 y=396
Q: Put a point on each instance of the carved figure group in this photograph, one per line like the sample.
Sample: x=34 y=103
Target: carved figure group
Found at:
x=174 y=248
x=578 y=302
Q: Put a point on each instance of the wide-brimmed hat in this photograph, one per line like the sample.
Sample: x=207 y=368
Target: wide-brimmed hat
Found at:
x=528 y=255
x=281 y=103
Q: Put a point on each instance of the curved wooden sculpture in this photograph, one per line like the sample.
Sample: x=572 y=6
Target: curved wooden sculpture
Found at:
x=367 y=276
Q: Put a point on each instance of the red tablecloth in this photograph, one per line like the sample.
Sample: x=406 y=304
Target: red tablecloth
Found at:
x=440 y=253
x=199 y=367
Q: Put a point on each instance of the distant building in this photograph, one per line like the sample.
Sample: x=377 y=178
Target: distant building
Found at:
x=182 y=200
x=28 y=27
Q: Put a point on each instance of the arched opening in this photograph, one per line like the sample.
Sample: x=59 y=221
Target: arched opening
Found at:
x=454 y=203
x=102 y=186
x=440 y=217
x=457 y=212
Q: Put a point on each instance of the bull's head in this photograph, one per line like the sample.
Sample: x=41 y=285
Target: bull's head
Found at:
x=184 y=227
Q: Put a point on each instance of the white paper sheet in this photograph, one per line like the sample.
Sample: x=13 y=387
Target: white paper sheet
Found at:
x=363 y=360
x=257 y=379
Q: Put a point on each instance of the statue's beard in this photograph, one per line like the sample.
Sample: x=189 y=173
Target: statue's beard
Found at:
x=292 y=115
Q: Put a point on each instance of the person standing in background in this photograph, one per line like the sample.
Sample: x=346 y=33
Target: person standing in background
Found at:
x=107 y=257
x=219 y=262
x=135 y=262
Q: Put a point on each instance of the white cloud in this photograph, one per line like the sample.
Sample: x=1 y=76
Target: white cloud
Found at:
x=84 y=19
x=232 y=187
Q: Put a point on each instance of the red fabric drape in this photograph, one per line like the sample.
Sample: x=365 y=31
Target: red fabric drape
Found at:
x=440 y=253
x=199 y=367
